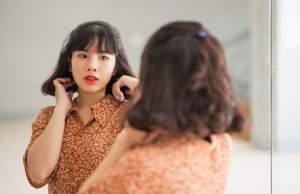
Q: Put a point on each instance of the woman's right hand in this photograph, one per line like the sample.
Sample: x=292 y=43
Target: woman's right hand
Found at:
x=130 y=82
x=63 y=98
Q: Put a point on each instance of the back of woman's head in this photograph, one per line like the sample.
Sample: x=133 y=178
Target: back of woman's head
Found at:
x=184 y=84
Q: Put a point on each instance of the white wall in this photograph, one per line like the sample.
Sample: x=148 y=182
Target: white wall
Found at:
x=287 y=75
x=32 y=33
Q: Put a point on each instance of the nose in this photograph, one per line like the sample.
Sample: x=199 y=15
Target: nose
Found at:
x=92 y=69
x=92 y=65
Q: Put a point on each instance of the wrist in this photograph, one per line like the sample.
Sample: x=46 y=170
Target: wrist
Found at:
x=62 y=109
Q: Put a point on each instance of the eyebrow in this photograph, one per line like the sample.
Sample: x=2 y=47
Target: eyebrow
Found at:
x=106 y=53
x=78 y=50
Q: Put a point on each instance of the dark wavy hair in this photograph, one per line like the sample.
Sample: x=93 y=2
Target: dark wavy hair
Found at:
x=81 y=38
x=184 y=84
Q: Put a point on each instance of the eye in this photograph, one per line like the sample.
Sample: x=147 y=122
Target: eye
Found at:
x=103 y=57
x=82 y=55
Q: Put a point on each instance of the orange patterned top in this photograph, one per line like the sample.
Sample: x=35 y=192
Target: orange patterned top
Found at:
x=170 y=165
x=83 y=147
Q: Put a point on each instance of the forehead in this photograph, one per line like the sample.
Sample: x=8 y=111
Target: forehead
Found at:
x=93 y=46
x=94 y=49
x=100 y=41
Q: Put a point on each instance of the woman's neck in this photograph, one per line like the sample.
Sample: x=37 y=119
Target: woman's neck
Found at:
x=86 y=100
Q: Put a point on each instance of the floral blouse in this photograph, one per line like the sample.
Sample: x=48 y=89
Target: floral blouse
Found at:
x=170 y=165
x=83 y=146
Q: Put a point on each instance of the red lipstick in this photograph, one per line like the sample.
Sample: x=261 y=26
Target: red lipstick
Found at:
x=90 y=79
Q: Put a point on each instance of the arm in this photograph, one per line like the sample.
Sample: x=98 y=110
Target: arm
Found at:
x=43 y=154
x=128 y=138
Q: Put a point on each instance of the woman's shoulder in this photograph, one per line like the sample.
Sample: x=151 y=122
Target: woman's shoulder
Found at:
x=171 y=149
x=43 y=116
x=172 y=158
x=45 y=111
x=182 y=141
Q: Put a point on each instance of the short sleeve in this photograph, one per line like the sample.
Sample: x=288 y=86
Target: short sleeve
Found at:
x=38 y=126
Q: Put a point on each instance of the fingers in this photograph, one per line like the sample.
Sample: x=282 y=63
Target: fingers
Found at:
x=68 y=85
x=60 y=81
x=65 y=82
x=131 y=84
x=118 y=94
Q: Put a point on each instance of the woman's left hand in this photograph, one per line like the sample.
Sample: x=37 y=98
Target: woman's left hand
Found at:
x=130 y=82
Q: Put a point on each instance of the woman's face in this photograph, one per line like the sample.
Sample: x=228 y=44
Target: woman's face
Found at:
x=92 y=71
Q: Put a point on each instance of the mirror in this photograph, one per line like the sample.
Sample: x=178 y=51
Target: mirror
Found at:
x=258 y=37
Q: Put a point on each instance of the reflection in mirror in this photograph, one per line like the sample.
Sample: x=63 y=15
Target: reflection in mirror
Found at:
x=32 y=34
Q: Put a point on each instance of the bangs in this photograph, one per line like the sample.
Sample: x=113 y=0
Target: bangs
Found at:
x=85 y=38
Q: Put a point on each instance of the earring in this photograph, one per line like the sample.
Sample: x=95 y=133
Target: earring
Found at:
x=70 y=69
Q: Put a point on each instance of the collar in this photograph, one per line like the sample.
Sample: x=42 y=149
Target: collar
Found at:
x=102 y=110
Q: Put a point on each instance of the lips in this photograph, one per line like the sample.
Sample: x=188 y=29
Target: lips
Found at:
x=90 y=79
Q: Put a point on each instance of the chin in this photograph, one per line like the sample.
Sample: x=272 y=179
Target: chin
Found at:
x=91 y=89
